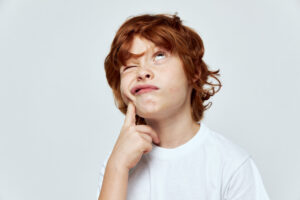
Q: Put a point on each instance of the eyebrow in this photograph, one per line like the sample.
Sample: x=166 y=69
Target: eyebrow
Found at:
x=133 y=56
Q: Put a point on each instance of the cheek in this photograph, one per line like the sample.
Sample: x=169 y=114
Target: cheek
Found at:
x=124 y=91
x=178 y=85
x=123 y=84
x=124 y=98
x=174 y=89
x=177 y=90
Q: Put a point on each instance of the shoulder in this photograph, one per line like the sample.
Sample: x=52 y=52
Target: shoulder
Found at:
x=240 y=176
x=229 y=155
x=225 y=149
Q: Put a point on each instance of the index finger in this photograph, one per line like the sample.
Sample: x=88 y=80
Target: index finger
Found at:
x=130 y=115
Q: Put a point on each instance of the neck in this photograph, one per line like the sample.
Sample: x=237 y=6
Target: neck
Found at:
x=175 y=129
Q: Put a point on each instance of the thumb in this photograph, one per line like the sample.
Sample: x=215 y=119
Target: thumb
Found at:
x=130 y=115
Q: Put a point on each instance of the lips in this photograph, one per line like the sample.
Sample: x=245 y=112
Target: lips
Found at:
x=139 y=89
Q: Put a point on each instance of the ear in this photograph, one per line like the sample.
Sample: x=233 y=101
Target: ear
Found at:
x=196 y=76
x=195 y=79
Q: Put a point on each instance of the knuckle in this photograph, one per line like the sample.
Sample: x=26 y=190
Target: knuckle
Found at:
x=145 y=128
x=149 y=128
x=149 y=148
x=141 y=143
x=147 y=137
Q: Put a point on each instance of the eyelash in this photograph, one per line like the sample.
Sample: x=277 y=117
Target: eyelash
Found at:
x=157 y=53
x=128 y=67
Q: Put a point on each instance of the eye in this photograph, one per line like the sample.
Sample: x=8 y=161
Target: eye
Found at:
x=126 y=67
x=159 y=55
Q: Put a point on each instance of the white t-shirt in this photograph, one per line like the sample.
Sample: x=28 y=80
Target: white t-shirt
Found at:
x=207 y=167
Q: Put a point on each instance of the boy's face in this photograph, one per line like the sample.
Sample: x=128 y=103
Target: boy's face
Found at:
x=159 y=68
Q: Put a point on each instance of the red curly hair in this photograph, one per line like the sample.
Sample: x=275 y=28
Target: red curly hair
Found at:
x=165 y=31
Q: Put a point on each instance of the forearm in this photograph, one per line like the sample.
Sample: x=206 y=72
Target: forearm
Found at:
x=115 y=181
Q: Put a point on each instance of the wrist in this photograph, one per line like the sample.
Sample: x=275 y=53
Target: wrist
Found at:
x=116 y=165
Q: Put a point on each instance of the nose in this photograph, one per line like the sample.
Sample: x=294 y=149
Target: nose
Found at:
x=144 y=74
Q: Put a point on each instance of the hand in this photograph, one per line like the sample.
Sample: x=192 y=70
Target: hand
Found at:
x=133 y=141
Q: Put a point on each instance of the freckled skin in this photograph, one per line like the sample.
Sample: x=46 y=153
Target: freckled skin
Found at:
x=166 y=72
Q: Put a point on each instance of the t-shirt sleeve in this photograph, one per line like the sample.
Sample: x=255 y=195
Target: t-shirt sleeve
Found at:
x=246 y=183
x=101 y=173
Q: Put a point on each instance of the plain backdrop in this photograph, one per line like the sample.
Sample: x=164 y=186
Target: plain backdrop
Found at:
x=58 y=119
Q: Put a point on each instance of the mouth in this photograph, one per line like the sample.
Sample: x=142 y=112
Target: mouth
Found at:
x=145 y=90
x=141 y=89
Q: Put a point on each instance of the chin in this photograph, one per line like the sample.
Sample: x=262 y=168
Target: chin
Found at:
x=150 y=112
x=146 y=111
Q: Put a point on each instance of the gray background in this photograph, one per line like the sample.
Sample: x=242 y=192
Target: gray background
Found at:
x=57 y=114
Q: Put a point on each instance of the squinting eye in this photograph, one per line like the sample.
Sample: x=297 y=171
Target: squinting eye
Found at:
x=126 y=67
x=160 y=55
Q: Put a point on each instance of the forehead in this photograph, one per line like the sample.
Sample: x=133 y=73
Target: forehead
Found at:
x=140 y=45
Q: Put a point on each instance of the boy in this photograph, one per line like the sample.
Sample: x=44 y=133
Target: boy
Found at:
x=157 y=75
